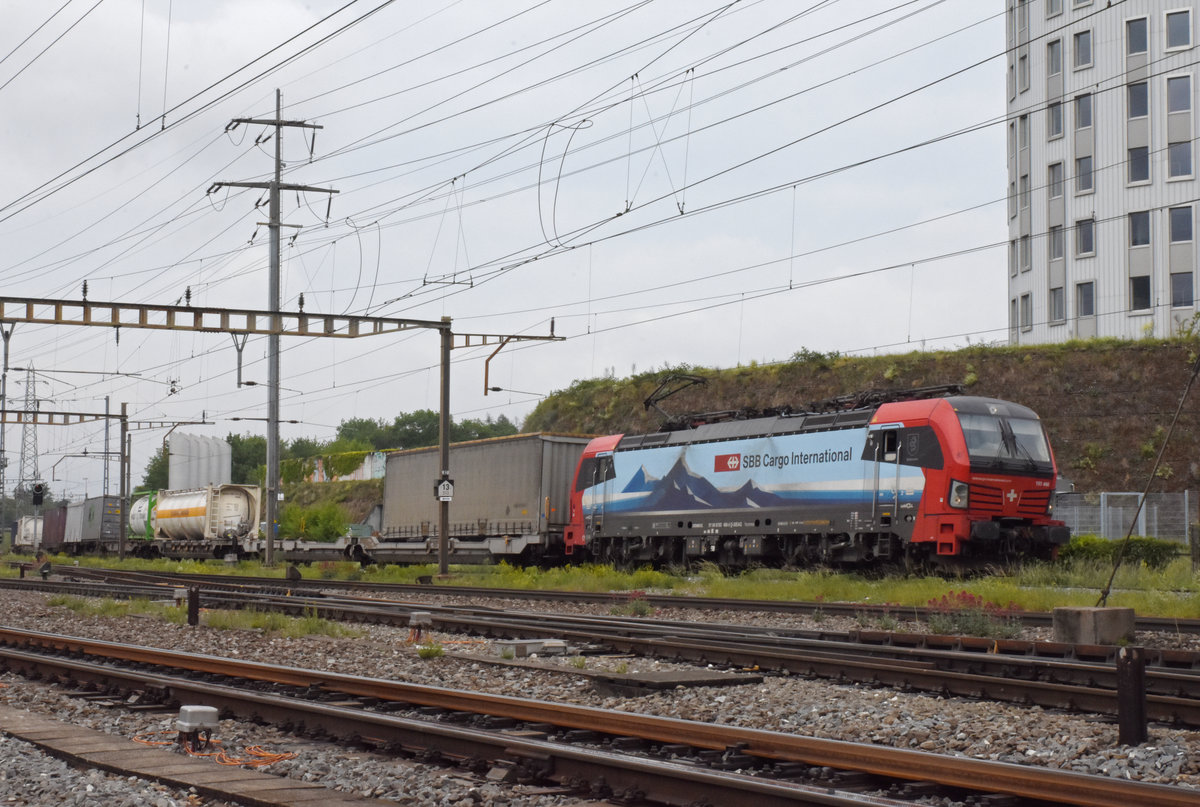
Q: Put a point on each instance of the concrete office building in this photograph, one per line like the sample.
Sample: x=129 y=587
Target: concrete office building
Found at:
x=1103 y=187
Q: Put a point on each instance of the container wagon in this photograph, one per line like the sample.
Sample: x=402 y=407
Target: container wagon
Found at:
x=93 y=525
x=511 y=496
x=208 y=522
x=27 y=538
x=54 y=528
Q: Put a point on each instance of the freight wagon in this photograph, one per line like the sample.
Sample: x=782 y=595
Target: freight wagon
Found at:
x=27 y=535
x=207 y=522
x=511 y=496
x=92 y=525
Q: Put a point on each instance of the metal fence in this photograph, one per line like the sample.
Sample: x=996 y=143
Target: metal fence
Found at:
x=1166 y=516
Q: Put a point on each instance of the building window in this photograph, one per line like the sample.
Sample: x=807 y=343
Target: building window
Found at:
x=1083 y=174
x=1139 y=293
x=1012 y=200
x=1136 y=39
x=1012 y=139
x=1055 y=180
x=1139 y=228
x=1085 y=237
x=1012 y=257
x=1179 y=94
x=1023 y=131
x=1023 y=73
x=1057 y=310
x=1083 y=111
x=1181 y=290
x=1024 y=191
x=1083 y=49
x=1138 y=99
x=1054 y=57
x=1179 y=29
x=1026 y=312
x=1179 y=159
x=1085 y=299
x=1026 y=259
x=1181 y=224
x=1139 y=164
x=1054 y=243
x=1054 y=120
x=1053 y=7
x=1012 y=314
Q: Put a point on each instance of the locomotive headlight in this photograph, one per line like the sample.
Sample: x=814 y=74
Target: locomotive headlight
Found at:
x=960 y=494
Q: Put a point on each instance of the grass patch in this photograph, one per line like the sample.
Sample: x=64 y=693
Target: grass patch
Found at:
x=635 y=604
x=430 y=651
x=111 y=608
x=278 y=624
x=1152 y=589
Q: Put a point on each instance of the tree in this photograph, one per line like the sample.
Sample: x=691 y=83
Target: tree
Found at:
x=475 y=429
x=372 y=432
x=304 y=447
x=414 y=430
x=249 y=455
x=157 y=475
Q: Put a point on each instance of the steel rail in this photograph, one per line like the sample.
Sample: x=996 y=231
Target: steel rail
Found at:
x=843 y=609
x=1055 y=786
x=603 y=773
x=1049 y=683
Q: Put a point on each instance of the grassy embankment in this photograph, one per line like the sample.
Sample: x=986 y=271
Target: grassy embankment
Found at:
x=1170 y=591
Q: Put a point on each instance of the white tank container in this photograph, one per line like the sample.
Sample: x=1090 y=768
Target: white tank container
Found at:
x=139 y=514
x=207 y=513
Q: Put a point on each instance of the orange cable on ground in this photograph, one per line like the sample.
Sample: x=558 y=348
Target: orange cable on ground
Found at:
x=257 y=756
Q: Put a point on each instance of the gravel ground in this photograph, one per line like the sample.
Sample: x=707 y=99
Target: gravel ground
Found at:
x=983 y=730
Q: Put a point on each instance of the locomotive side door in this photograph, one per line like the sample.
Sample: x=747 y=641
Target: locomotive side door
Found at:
x=603 y=473
x=883 y=452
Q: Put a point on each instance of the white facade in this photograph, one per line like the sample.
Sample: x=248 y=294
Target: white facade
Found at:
x=1103 y=183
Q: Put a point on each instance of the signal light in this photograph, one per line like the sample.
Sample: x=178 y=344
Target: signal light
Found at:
x=39 y=491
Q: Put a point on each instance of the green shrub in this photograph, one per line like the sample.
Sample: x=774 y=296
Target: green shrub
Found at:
x=320 y=522
x=635 y=604
x=967 y=614
x=1153 y=552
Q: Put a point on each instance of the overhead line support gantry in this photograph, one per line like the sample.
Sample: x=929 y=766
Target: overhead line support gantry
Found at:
x=271 y=323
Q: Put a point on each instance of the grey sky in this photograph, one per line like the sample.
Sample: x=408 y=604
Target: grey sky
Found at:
x=673 y=183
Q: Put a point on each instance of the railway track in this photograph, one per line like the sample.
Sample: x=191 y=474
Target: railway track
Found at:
x=1054 y=676
x=397 y=590
x=598 y=753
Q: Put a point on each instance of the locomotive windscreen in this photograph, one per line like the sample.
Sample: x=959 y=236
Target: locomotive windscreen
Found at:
x=996 y=442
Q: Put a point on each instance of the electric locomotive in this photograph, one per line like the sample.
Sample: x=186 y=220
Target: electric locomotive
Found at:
x=916 y=476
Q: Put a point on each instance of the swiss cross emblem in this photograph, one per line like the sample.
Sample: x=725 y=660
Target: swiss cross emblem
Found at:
x=727 y=462
x=1012 y=495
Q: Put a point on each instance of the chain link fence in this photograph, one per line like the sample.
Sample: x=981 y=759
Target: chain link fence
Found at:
x=1166 y=516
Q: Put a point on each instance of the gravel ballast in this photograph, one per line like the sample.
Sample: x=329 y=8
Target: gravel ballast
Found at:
x=984 y=730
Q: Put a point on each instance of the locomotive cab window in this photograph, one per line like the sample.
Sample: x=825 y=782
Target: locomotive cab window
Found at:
x=594 y=470
x=882 y=446
x=891 y=443
x=1011 y=443
x=915 y=445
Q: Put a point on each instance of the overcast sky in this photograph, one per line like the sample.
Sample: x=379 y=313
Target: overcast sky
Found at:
x=670 y=183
